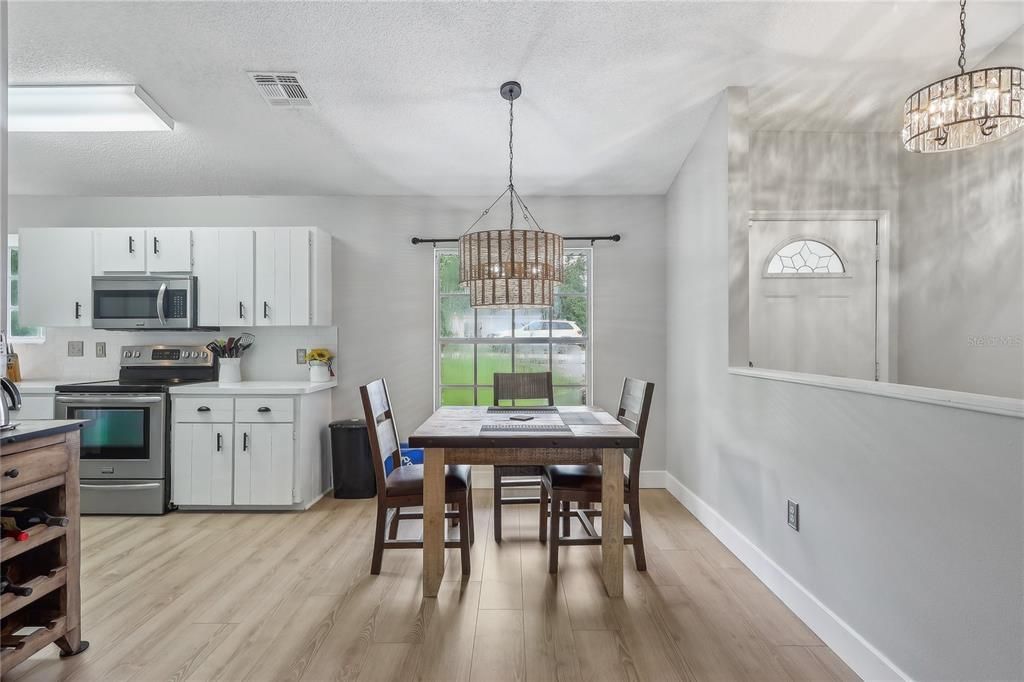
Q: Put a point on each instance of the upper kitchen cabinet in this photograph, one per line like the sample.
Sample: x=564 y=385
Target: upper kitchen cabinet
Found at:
x=224 y=262
x=169 y=250
x=55 y=276
x=121 y=249
x=293 y=276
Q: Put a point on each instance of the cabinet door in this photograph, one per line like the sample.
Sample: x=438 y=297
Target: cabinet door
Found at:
x=264 y=464
x=170 y=250
x=207 y=269
x=121 y=249
x=273 y=276
x=55 y=277
x=235 y=263
x=201 y=464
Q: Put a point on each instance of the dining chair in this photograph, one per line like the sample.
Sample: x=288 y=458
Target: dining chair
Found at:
x=518 y=386
x=581 y=483
x=403 y=486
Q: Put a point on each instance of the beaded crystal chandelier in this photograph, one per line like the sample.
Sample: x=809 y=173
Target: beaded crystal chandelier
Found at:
x=510 y=268
x=965 y=110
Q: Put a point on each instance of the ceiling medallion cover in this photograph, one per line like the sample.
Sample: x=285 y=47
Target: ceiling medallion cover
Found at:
x=965 y=110
x=510 y=268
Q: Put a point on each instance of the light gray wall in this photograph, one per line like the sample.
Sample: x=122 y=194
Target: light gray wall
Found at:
x=962 y=269
x=912 y=515
x=383 y=286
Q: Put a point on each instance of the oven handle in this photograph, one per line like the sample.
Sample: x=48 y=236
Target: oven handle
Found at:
x=120 y=486
x=160 y=303
x=109 y=400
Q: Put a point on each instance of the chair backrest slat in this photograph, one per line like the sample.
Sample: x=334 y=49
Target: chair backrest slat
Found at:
x=634 y=411
x=523 y=386
x=382 y=429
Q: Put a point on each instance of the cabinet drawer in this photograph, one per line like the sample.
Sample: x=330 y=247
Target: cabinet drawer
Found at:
x=33 y=465
x=203 y=410
x=256 y=410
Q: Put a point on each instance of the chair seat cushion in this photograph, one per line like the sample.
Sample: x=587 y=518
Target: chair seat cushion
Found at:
x=408 y=479
x=576 y=477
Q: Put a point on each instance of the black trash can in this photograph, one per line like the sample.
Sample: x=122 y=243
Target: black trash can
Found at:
x=353 y=466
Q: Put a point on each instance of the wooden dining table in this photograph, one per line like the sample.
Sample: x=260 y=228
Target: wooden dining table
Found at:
x=523 y=436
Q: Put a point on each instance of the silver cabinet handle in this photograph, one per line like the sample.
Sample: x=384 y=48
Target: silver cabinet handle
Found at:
x=160 y=303
x=135 y=399
x=120 y=486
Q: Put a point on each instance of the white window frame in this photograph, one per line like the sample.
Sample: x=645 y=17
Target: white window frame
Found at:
x=550 y=341
x=12 y=245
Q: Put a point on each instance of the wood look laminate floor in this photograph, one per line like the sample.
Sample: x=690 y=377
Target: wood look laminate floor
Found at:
x=273 y=597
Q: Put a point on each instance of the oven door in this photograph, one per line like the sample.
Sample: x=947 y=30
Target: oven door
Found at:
x=143 y=302
x=126 y=436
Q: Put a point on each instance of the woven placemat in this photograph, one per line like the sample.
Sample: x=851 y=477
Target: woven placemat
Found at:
x=580 y=418
x=525 y=428
x=516 y=410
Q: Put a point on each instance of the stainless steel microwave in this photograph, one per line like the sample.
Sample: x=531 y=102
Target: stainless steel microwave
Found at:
x=152 y=302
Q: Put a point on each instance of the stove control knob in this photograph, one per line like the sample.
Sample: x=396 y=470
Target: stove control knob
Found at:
x=137 y=354
x=205 y=355
x=187 y=354
x=127 y=353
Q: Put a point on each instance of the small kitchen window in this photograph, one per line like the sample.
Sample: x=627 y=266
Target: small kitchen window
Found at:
x=18 y=332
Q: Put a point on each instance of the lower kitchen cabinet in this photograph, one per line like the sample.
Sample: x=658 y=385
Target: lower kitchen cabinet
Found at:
x=249 y=452
x=264 y=458
x=201 y=464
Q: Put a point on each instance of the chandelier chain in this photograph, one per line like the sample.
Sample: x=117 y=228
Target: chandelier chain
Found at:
x=963 y=36
x=511 y=156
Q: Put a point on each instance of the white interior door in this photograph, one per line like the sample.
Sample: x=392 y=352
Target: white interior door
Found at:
x=812 y=296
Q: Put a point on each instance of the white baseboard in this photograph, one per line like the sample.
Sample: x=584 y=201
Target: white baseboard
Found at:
x=848 y=644
x=648 y=479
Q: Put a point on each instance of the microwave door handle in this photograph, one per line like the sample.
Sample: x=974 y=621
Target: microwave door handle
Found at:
x=160 y=303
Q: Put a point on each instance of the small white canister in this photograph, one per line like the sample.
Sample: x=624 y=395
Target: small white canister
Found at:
x=230 y=371
x=319 y=372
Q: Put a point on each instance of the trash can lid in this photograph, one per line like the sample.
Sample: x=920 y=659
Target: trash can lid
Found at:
x=348 y=424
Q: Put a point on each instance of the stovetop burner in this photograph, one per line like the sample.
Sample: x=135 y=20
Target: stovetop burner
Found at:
x=153 y=369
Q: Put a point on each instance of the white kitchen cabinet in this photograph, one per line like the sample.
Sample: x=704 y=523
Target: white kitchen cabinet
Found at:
x=235 y=263
x=264 y=464
x=275 y=458
x=120 y=250
x=169 y=250
x=202 y=464
x=293 y=276
x=55 y=268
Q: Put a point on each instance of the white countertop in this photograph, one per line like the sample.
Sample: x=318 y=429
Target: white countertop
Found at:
x=254 y=388
x=42 y=386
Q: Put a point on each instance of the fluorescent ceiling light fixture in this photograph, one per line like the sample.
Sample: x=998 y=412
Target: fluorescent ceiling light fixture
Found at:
x=83 y=108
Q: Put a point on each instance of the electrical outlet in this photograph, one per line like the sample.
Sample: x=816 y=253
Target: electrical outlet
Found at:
x=793 y=515
x=76 y=349
x=300 y=356
x=101 y=349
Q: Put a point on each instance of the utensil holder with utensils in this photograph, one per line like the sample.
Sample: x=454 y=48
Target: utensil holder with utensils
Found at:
x=230 y=371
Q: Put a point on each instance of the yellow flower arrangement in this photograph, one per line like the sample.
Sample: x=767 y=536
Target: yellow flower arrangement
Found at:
x=319 y=355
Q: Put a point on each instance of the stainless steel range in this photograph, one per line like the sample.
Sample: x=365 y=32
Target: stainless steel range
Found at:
x=125 y=462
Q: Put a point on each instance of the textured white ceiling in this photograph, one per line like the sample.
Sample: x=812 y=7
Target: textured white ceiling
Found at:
x=407 y=99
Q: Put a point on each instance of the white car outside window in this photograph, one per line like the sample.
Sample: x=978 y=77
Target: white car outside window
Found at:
x=559 y=328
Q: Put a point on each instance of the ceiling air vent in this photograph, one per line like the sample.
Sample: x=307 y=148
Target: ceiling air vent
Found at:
x=281 y=90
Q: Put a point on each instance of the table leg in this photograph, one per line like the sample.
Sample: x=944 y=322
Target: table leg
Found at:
x=612 y=500
x=433 y=520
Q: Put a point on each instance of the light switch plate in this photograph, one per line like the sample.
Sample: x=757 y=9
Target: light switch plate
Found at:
x=101 y=349
x=76 y=349
x=793 y=515
x=300 y=356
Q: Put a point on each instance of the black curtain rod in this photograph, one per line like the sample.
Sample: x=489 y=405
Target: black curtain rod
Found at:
x=435 y=242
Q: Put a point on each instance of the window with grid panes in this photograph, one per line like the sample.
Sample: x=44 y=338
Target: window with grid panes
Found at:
x=471 y=345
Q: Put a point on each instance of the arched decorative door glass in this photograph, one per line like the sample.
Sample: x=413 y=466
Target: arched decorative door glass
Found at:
x=805 y=257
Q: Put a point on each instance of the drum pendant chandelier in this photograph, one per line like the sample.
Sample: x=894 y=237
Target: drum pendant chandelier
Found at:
x=965 y=110
x=510 y=268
